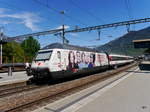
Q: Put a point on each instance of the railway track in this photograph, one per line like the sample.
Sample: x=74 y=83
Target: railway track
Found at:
x=11 y=91
x=13 y=85
x=27 y=100
x=17 y=87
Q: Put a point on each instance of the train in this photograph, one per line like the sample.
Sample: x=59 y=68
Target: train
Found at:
x=58 y=63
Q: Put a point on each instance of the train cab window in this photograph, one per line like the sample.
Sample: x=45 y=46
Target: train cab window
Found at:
x=43 y=55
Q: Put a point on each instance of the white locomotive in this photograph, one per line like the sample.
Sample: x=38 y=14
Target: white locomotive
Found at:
x=60 y=63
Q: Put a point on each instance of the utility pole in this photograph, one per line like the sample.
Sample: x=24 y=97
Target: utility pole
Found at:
x=63 y=33
x=63 y=26
x=1 y=38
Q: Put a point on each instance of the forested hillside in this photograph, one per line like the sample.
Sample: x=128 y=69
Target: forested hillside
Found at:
x=124 y=44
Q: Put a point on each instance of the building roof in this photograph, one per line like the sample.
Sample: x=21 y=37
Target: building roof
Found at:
x=70 y=47
x=143 y=40
x=144 y=43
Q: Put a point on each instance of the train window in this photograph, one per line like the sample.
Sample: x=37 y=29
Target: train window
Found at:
x=43 y=55
x=115 y=58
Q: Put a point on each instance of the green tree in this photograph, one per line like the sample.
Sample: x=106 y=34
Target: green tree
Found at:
x=147 y=50
x=30 y=47
x=13 y=52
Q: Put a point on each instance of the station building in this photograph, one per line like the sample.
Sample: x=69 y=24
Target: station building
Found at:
x=144 y=43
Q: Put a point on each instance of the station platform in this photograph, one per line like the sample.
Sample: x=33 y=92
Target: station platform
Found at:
x=127 y=92
x=15 y=77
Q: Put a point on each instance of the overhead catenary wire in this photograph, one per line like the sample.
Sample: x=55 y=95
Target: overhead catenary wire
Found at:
x=86 y=11
x=22 y=37
x=11 y=5
x=124 y=23
x=128 y=8
x=129 y=12
x=22 y=9
x=128 y=28
x=40 y=33
x=58 y=12
x=99 y=34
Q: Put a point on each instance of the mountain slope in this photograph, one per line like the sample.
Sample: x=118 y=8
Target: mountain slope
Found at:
x=124 y=44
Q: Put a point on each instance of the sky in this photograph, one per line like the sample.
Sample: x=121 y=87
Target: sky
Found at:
x=29 y=16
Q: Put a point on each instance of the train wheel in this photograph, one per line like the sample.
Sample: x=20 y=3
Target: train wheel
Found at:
x=115 y=67
x=31 y=81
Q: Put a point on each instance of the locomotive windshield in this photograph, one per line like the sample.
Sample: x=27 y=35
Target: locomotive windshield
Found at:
x=43 y=55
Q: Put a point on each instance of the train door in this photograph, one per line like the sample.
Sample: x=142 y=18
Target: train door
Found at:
x=56 y=61
x=59 y=60
x=103 y=59
x=98 y=59
x=64 y=59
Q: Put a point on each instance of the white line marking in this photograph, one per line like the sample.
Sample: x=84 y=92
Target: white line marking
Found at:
x=94 y=96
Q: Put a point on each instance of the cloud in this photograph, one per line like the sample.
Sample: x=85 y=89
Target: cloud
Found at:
x=27 y=18
x=60 y=27
x=74 y=34
x=2 y=10
x=4 y=22
x=67 y=27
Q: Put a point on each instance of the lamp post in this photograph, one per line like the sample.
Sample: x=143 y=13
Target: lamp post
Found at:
x=1 y=51
x=1 y=43
x=1 y=37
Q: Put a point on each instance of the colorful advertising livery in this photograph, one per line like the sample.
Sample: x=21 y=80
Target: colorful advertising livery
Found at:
x=59 y=62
